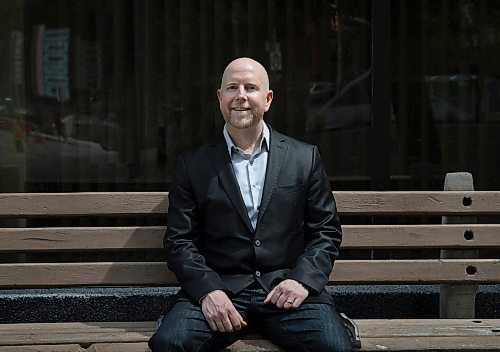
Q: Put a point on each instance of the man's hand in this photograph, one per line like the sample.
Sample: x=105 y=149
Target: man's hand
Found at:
x=220 y=312
x=287 y=294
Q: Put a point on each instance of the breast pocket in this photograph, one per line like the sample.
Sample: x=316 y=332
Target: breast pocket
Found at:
x=292 y=188
x=287 y=203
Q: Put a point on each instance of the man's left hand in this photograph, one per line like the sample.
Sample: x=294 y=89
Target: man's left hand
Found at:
x=288 y=294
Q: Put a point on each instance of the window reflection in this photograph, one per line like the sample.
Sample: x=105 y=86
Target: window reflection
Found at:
x=339 y=100
x=102 y=95
x=106 y=93
x=445 y=79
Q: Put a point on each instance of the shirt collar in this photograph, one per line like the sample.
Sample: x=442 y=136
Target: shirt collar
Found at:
x=231 y=145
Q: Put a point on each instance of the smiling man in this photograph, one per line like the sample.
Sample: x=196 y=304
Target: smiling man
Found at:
x=244 y=96
x=252 y=233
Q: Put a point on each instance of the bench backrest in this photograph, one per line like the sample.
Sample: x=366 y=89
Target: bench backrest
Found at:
x=380 y=212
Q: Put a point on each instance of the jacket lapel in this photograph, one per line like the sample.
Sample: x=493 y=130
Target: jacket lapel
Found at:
x=277 y=152
x=224 y=169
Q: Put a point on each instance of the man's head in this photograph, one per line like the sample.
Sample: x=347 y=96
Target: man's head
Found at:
x=244 y=94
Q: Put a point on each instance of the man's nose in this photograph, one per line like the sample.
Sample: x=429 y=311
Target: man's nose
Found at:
x=242 y=94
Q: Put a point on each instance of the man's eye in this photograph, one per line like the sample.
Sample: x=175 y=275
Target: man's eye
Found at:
x=251 y=88
x=231 y=88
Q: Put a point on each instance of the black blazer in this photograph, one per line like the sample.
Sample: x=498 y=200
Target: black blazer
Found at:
x=210 y=243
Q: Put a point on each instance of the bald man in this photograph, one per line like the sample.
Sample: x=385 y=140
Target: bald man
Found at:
x=252 y=233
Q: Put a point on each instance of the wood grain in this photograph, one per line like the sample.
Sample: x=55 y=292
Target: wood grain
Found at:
x=418 y=203
x=421 y=236
x=81 y=238
x=370 y=327
x=416 y=271
x=46 y=348
x=377 y=335
x=426 y=343
x=144 y=203
x=157 y=273
x=85 y=274
x=151 y=238
x=82 y=204
x=119 y=347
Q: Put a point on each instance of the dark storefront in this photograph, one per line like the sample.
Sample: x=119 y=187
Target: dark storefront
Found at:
x=101 y=95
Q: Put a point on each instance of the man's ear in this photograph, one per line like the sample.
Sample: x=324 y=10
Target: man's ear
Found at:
x=269 y=99
x=218 y=94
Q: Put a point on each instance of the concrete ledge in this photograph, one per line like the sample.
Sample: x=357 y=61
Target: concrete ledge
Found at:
x=147 y=303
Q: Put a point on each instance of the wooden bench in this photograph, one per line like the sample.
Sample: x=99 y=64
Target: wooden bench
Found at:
x=82 y=231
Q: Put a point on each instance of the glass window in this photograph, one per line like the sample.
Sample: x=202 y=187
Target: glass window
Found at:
x=445 y=79
x=102 y=95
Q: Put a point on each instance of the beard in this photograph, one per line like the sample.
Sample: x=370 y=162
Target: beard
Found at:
x=242 y=120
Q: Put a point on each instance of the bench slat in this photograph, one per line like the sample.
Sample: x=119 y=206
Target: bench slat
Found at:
x=55 y=348
x=442 y=344
x=156 y=273
x=83 y=204
x=416 y=271
x=85 y=274
x=81 y=238
x=121 y=347
x=147 y=203
x=370 y=327
x=390 y=335
x=406 y=344
x=436 y=327
x=145 y=238
x=418 y=203
x=421 y=236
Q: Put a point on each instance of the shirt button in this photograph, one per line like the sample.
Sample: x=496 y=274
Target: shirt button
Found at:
x=257 y=243
x=257 y=273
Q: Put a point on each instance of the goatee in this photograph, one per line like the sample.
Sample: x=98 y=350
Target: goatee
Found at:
x=242 y=122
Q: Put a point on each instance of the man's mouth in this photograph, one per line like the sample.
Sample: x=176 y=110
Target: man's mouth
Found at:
x=239 y=108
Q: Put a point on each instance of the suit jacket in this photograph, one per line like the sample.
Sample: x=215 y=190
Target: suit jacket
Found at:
x=210 y=243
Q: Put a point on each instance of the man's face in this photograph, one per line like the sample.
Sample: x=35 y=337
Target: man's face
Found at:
x=244 y=95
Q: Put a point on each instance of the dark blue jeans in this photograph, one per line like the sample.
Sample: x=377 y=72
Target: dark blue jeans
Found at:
x=312 y=327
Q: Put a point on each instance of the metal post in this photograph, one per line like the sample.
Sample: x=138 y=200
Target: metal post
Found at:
x=457 y=301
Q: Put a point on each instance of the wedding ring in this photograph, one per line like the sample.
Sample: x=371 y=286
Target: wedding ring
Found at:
x=288 y=300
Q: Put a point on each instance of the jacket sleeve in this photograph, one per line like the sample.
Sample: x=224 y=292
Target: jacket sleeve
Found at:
x=322 y=231
x=182 y=236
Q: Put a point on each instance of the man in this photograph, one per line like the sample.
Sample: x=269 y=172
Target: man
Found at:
x=252 y=233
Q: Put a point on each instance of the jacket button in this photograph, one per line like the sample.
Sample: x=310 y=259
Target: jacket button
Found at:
x=257 y=243
x=257 y=273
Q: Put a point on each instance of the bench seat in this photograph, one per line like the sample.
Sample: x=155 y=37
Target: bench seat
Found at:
x=119 y=236
x=377 y=335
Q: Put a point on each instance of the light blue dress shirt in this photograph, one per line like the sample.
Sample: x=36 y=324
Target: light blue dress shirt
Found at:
x=250 y=172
